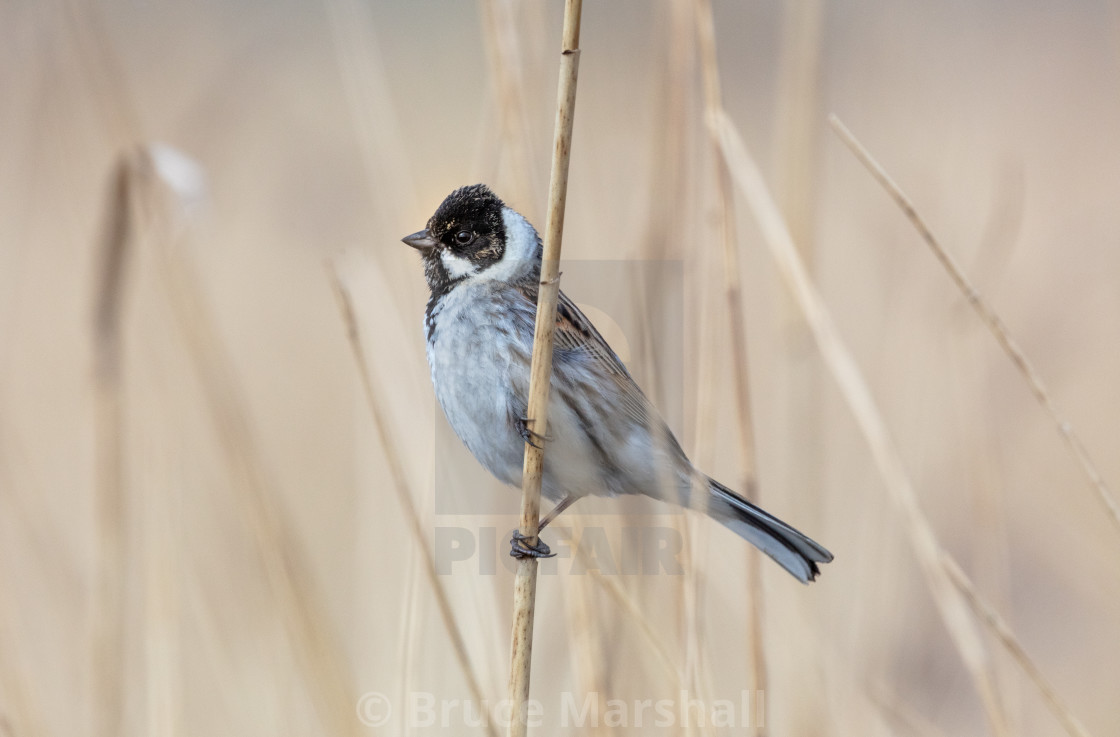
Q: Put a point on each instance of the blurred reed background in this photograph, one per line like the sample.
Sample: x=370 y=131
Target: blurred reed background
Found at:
x=201 y=524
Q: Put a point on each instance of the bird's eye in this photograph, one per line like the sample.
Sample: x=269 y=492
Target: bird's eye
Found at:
x=463 y=237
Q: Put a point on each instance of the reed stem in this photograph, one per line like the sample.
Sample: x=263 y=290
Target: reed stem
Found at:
x=992 y=320
x=525 y=583
x=713 y=105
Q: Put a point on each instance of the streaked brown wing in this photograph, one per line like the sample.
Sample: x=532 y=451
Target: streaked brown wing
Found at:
x=575 y=333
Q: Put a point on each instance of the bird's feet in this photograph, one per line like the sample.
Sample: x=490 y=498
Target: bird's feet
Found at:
x=519 y=548
x=530 y=437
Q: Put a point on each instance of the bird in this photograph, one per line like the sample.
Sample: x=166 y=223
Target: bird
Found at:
x=482 y=262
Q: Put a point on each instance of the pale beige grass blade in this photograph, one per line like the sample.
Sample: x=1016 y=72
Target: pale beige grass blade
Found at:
x=953 y=609
x=953 y=592
x=713 y=105
x=404 y=495
x=992 y=320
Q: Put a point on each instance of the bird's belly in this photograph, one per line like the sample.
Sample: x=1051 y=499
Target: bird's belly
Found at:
x=572 y=464
x=473 y=387
x=482 y=388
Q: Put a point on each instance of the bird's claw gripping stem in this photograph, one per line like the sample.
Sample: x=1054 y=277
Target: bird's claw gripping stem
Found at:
x=532 y=438
x=519 y=548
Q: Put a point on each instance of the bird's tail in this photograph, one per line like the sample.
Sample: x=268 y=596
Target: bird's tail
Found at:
x=792 y=550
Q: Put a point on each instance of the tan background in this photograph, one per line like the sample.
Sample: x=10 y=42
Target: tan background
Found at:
x=327 y=131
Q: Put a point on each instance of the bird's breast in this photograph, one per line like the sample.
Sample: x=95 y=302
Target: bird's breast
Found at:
x=479 y=365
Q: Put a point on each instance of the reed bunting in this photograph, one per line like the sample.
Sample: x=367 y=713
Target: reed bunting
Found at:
x=482 y=263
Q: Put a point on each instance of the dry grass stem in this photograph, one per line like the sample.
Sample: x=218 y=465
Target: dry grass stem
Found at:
x=161 y=621
x=503 y=47
x=795 y=132
x=197 y=504
x=102 y=72
x=364 y=79
x=954 y=610
x=988 y=315
x=22 y=709
x=899 y=714
x=122 y=232
x=404 y=495
x=24 y=705
x=795 y=174
x=325 y=670
x=120 y=235
x=584 y=632
x=616 y=592
x=1002 y=632
x=525 y=582
x=940 y=567
x=108 y=638
x=713 y=105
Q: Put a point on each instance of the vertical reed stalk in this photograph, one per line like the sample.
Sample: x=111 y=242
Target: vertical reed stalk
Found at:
x=795 y=158
x=525 y=583
x=101 y=73
x=795 y=143
x=110 y=499
x=713 y=103
x=795 y=133
x=503 y=47
x=23 y=705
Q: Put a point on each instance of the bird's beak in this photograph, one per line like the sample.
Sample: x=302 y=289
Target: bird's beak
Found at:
x=421 y=240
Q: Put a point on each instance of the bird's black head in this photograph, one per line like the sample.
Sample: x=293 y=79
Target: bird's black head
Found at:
x=465 y=236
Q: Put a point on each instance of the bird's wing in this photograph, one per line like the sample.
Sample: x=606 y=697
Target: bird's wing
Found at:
x=576 y=336
x=577 y=342
x=591 y=379
x=574 y=332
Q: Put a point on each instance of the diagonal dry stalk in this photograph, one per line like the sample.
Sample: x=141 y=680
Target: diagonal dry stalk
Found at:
x=23 y=710
x=956 y=597
x=404 y=495
x=325 y=670
x=983 y=610
x=1002 y=631
x=988 y=315
x=713 y=104
x=637 y=616
x=951 y=605
x=898 y=714
x=540 y=373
